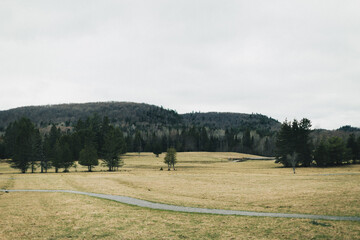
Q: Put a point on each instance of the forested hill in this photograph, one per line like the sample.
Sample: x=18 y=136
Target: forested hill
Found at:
x=117 y=112
x=231 y=120
x=147 y=126
x=138 y=114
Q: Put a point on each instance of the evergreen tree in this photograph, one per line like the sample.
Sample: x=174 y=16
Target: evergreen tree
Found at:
x=19 y=139
x=138 y=142
x=157 y=148
x=56 y=158
x=114 y=145
x=358 y=149
x=2 y=149
x=284 y=144
x=10 y=139
x=50 y=151
x=204 y=141
x=37 y=150
x=303 y=142
x=294 y=137
x=89 y=157
x=338 y=153
x=321 y=155
x=268 y=150
x=247 y=141
x=66 y=157
x=353 y=146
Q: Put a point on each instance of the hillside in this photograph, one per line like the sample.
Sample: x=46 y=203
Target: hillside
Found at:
x=138 y=114
x=240 y=121
x=118 y=112
x=145 y=126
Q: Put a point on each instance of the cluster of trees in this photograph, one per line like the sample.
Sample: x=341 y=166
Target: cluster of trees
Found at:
x=186 y=139
x=335 y=151
x=294 y=147
x=93 y=139
x=22 y=142
x=294 y=138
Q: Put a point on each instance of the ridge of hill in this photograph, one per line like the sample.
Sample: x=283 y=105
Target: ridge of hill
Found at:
x=228 y=120
x=138 y=114
x=70 y=113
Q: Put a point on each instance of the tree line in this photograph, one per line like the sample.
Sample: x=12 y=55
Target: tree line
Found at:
x=96 y=138
x=148 y=128
x=158 y=140
x=90 y=140
x=295 y=147
x=195 y=138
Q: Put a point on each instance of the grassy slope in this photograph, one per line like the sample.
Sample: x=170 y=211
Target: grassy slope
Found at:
x=202 y=180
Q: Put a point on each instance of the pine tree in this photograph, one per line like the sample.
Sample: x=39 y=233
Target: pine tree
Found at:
x=303 y=142
x=19 y=141
x=248 y=141
x=321 y=154
x=2 y=149
x=338 y=153
x=66 y=157
x=56 y=159
x=50 y=150
x=37 y=150
x=358 y=149
x=88 y=157
x=284 y=143
x=353 y=146
x=156 y=146
x=294 y=137
x=114 y=146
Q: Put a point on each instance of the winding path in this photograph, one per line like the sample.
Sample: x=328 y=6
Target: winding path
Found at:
x=160 y=206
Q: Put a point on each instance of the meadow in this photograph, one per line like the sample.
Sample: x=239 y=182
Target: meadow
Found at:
x=207 y=180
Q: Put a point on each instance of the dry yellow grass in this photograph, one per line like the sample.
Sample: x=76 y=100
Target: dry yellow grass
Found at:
x=68 y=216
x=201 y=180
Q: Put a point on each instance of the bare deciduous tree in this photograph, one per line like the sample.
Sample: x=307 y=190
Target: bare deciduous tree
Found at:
x=292 y=159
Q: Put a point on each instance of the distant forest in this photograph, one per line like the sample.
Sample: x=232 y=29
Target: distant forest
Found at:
x=146 y=127
x=149 y=128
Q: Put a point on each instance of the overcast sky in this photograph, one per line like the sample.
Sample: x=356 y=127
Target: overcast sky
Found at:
x=285 y=59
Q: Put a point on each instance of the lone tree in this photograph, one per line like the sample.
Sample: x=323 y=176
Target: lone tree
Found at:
x=88 y=157
x=292 y=159
x=170 y=158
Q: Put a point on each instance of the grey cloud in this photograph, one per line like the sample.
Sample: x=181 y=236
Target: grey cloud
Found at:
x=281 y=58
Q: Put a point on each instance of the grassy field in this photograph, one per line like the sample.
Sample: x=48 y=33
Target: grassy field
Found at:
x=201 y=180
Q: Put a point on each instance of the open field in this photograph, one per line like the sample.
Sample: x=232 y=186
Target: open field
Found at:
x=206 y=180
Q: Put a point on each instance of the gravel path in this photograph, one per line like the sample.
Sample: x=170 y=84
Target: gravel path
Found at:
x=160 y=206
x=336 y=174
